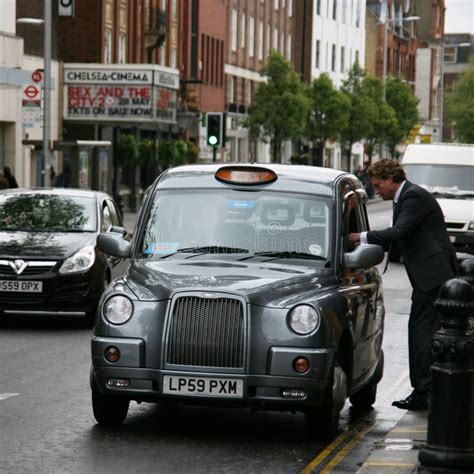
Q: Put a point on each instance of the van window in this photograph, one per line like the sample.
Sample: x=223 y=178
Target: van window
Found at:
x=447 y=176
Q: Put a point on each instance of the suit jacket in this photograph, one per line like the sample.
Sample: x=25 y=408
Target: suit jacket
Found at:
x=419 y=231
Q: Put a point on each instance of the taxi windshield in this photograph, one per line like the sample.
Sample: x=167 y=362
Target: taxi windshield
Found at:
x=229 y=221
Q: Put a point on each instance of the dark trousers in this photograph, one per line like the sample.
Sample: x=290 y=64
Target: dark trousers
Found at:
x=422 y=325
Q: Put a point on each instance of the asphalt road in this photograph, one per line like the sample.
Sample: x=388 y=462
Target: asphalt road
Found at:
x=46 y=422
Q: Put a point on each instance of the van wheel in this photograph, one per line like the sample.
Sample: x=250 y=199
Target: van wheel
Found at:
x=322 y=422
x=366 y=397
x=109 y=409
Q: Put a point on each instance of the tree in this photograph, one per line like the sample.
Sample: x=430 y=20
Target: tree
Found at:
x=362 y=110
x=279 y=106
x=128 y=150
x=176 y=152
x=460 y=106
x=328 y=114
x=383 y=116
x=405 y=104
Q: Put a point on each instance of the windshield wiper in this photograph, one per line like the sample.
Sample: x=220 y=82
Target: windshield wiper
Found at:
x=285 y=254
x=207 y=249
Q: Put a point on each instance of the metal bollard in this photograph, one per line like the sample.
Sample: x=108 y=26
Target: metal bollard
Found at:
x=466 y=273
x=450 y=440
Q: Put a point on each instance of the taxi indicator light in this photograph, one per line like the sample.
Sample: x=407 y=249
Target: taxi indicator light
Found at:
x=301 y=365
x=248 y=175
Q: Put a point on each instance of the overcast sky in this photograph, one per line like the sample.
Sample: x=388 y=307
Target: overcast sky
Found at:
x=459 y=16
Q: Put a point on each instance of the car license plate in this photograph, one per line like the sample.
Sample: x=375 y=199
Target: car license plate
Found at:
x=202 y=386
x=452 y=238
x=21 y=286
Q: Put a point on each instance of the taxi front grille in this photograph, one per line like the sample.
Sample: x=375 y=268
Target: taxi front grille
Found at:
x=206 y=332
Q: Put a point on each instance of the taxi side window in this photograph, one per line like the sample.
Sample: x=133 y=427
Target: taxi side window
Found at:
x=106 y=218
x=354 y=219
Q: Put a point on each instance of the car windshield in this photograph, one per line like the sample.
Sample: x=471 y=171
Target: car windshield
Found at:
x=245 y=223
x=47 y=213
x=448 y=179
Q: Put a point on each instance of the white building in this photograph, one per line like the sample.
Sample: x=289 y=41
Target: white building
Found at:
x=20 y=114
x=338 y=40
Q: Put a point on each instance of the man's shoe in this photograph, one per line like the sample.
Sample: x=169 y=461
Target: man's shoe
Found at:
x=415 y=401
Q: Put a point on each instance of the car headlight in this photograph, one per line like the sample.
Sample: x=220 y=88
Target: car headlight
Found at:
x=118 y=309
x=471 y=225
x=304 y=319
x=80 y=261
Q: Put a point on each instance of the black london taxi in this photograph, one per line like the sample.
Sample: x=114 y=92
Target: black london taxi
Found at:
x=243 y=289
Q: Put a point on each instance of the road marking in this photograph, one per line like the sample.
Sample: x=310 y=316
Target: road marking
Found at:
x=345 y=450
x=4 y=396
x=339 y=447
x=389 y=464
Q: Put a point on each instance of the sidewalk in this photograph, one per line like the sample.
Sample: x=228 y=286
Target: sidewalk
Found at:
x=398 y=452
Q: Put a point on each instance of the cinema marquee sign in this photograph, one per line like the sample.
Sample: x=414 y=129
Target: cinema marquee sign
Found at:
x=120 y=93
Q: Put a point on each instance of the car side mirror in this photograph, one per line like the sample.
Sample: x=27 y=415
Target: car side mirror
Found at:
x=114 y=244
x=363 y=256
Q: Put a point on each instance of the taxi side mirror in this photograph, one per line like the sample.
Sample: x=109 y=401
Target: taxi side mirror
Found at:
x=114 y=244
x=363 y=256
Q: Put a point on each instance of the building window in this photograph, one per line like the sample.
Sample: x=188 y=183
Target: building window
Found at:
x=318 y=52
x=122 y=48
x=230 y=88
x=318 y=7
x=334 y=10
x=260 y=40
x=275 y=39
x=343 y=54
x=108 y=47
x=174 y=10
x=243 y=30
x=174 y=58
x=268 y=45
x=333 y=58
x=234 y=30
x=357 y=57
x=288 y=47
x=276 y=4
x=450 y=54
x=344 y=11
x=290 y=7
x=252 y=37
x=357 y=13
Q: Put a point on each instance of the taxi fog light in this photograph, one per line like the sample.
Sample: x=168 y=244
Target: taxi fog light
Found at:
x=293 y=393
x=301 y=365
x=118 y=383
x=112 y=354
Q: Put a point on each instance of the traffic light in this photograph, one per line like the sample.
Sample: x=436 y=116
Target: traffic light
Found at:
x=214 y=129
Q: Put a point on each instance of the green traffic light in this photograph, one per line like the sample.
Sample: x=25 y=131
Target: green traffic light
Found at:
x=212 y=140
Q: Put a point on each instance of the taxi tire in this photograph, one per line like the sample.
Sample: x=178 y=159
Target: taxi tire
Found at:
x=108 y=409
x=366 y=397
x=322 y=422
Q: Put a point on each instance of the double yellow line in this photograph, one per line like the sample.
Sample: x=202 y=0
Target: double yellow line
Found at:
x=335 y=452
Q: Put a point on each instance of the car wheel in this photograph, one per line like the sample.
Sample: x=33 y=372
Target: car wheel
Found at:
x=109 y=409
x=322 y=422
x=366 y=397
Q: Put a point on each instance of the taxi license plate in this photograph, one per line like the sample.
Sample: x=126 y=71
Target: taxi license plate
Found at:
x=23 y=286
x=202 y=386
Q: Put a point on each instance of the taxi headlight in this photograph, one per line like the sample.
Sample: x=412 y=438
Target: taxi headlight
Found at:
x=80 y=261
x=304 y=319
x=118 y=309
x=471 y=225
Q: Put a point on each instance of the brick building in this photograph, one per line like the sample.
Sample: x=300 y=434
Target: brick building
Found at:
x=253 y=28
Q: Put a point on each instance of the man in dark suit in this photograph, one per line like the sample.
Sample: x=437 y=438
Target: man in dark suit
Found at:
x=419 y=232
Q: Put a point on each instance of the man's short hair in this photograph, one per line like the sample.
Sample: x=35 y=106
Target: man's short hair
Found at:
x=384 y=168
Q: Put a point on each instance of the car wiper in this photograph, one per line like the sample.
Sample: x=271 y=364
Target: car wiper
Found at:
x=207 y=249
x=285 y=254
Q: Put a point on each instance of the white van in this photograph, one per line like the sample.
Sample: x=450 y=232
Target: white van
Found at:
x=447 y=171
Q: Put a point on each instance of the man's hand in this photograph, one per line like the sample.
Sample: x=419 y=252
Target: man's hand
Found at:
x=354 y=238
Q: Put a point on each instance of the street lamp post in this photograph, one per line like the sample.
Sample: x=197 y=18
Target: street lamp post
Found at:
x=46 y=21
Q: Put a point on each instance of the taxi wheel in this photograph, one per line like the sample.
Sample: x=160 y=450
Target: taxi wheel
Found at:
x=366 y=397
x=109 y=410
x=322 y=422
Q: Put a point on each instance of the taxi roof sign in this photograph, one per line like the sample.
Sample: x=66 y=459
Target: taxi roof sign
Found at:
x=248 y=175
